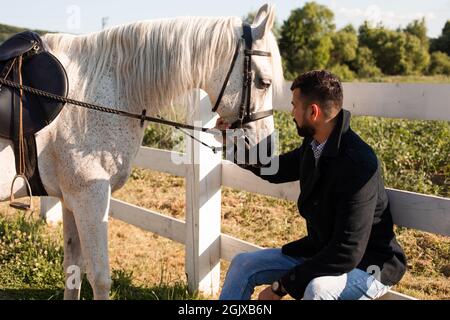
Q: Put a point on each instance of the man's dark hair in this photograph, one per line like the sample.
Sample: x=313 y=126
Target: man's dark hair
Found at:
x=322 y=87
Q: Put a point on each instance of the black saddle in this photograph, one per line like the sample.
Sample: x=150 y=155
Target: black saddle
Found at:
x=40 y=70
x=25 y=60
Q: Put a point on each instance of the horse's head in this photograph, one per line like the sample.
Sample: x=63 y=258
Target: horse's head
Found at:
x=242 y=88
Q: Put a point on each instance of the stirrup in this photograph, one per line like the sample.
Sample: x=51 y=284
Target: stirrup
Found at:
x=19 y=205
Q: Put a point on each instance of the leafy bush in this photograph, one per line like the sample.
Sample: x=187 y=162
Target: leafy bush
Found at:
x=365 y=64
x=345 y=45
x=287 y=132
x=440 y=64
x=414 y=154
x=163 y=137
x=343 y=72
x=395 y=52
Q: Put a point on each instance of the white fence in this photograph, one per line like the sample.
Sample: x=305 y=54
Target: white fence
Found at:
x=206 y=245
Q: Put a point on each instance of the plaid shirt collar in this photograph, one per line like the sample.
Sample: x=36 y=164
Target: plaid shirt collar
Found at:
x=317 y=148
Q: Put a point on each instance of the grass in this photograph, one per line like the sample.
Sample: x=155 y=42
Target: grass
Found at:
x=408 y=79
x=271 y=222
x=414 y=155
x=31 y=256
x=146 y=266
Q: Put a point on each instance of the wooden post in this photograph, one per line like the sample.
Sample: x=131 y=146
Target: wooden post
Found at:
x=203 y=205
x=51 y=210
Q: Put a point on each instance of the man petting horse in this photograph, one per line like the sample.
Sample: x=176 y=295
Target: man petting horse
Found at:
x=350 y=251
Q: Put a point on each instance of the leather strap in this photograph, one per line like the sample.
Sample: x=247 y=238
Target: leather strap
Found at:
x=247 y=36
x=7 y=70
x=227 y=78
x=21 y=140
x=257 y=53
x=245 y=115
x=25 y=147
x=257 y=116
x=251 y=118
x=247 y=90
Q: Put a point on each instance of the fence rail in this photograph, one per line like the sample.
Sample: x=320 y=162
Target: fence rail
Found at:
x=206 y=245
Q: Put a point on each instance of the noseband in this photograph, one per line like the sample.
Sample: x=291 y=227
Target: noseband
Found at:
x=245 y=115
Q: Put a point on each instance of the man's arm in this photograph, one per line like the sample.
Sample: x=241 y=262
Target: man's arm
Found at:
x=354 y=218
x=288 y=167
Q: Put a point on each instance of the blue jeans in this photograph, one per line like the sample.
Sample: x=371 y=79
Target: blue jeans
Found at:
x=248 y=270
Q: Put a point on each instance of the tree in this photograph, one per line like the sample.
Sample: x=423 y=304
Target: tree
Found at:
x=418 y=28
x=387 y=47
x=440 y=64
x=343 y=72
x=443 y=42
x=364 y=64
x=345 y=44
x=416 y=55
x=395 y=52
x=305 y=40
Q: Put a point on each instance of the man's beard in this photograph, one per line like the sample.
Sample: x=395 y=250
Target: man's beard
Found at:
x=305 y=130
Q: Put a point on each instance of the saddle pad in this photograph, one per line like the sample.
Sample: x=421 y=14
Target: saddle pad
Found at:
x=40 y=70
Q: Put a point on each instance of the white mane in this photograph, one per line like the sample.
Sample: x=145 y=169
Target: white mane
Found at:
x=156 y=61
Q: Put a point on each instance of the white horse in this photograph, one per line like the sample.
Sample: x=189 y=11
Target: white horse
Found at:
x=85 y=155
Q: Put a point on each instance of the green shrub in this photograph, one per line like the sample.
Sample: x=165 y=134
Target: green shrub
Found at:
x=163 y=137
x=440 y=64
x=343 y=72
x=365 y=64
x=27 y=259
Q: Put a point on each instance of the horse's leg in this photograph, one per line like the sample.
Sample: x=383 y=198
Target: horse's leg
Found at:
x=73 y=261
x=91 y=208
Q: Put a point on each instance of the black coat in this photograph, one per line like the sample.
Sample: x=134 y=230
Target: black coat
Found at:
x=346 y=209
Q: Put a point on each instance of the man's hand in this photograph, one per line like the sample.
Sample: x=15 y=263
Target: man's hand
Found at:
x=221 y=124
x=267 y=294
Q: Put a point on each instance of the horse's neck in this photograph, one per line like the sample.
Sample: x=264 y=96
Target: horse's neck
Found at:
x=76 y=121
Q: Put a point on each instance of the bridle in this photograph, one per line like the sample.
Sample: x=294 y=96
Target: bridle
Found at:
x=245 y=115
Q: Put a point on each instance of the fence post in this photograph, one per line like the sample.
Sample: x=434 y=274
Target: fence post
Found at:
x=51 y=210
x=203 y=205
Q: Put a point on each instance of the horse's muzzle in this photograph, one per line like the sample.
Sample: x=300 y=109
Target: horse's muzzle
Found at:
x=257 y=155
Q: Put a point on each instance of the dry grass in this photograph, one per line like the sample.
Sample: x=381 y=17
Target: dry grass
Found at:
x=261 y=220
x=265 y=221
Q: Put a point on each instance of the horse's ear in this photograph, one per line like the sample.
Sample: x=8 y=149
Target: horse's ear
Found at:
x=264 y=21
x=261 y=14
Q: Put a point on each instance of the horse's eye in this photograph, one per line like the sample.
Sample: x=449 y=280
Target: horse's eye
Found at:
x=265 y=83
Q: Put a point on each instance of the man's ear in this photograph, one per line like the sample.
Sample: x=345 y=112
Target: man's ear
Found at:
x=264 y=21
x=315 y=111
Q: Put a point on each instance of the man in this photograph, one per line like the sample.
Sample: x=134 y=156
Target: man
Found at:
x=350 y=251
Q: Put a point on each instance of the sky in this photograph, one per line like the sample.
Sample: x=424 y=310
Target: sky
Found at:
x=85 y=16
